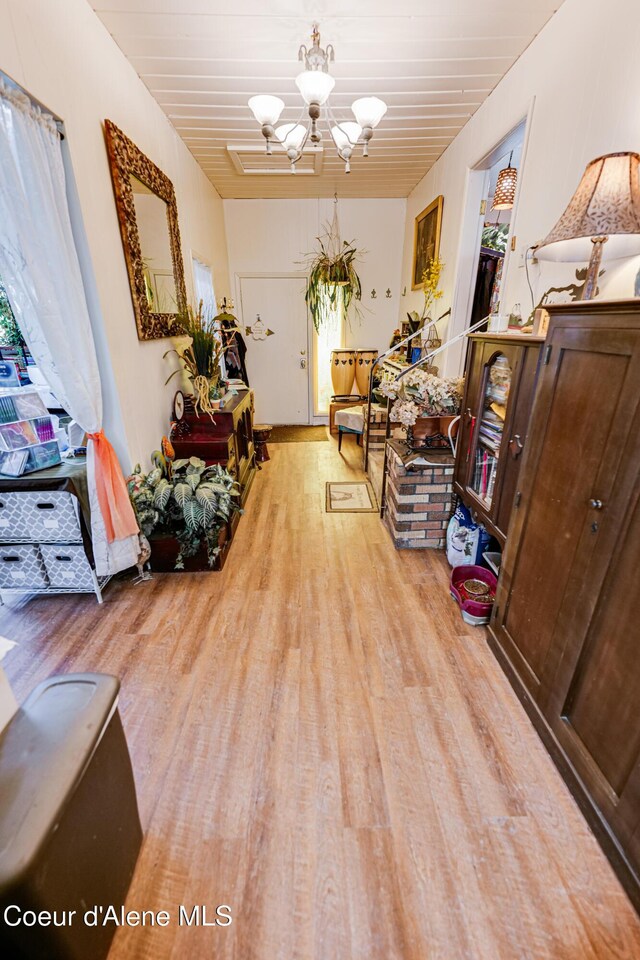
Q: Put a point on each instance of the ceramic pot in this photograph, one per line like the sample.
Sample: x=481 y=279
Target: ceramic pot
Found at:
x=426 y=428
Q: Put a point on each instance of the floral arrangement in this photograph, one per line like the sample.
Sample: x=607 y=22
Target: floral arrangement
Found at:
x=430 y=280
x=186 y=500
x=421 y=394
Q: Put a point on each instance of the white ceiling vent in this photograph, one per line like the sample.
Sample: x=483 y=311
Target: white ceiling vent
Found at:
x=253 y=160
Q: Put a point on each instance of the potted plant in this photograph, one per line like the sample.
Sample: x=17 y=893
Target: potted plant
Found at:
x=333 y=280
x=201 y=357
x=424 y=403
x=183 y=509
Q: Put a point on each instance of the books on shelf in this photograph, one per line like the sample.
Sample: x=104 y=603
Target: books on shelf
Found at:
x=485 y=471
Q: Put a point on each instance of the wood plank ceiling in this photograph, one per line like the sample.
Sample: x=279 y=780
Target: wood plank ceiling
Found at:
x=432 y=61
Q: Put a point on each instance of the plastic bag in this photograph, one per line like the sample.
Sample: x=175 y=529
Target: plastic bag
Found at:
x=466 y=540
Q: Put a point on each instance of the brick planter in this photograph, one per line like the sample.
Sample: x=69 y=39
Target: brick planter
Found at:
x=418 y=499
x=378 y=426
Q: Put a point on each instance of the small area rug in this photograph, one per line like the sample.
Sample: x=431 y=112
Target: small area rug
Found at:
x=297 y=433
x=351 y=497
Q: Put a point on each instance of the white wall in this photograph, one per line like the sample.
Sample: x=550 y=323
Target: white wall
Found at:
x=583 y=72
x=273 y=236
x=60 y=52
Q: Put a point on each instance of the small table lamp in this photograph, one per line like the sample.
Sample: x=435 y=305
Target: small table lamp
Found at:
x=602 y=219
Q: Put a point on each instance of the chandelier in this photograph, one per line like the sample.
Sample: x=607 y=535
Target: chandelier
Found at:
x=315 y=83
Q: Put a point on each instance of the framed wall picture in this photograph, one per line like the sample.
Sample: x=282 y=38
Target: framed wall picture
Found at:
x=426 y=240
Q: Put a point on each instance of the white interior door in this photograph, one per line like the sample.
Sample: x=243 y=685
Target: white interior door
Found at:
x=278 y=364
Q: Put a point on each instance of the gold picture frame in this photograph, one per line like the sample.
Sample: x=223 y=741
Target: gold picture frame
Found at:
x=127 y=160
x=426 y=240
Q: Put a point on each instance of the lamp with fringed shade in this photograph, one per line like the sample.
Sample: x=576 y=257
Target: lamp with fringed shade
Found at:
x=602 y=219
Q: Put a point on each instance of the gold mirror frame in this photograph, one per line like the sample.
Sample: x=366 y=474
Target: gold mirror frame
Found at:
x=125 y=159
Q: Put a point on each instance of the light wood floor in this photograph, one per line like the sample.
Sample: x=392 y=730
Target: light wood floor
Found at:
x=321 y=743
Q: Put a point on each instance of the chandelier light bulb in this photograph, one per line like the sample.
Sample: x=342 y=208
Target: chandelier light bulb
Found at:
x=266 y=109
x=291 y=136
x=369 y=111
x=315 y=86
x=346 y=134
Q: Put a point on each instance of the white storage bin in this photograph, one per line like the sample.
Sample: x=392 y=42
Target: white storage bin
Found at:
x=51 y=516
x=67 y=565
x=22 y=567
x=13 y=524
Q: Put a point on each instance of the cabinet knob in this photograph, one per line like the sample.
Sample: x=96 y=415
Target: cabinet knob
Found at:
x=596 y=504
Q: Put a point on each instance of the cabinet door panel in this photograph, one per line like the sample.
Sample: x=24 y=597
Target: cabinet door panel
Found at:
x=578 y=422
x=602 y=705
x=518 y=428
x=473 y=368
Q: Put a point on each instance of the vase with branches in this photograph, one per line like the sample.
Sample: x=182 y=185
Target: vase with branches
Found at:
x=201 y=357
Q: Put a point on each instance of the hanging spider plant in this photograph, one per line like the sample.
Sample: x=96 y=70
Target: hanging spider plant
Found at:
x=332 y=282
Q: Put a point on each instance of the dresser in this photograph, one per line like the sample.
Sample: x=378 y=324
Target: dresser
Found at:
x=500 y=378
x=565 y=620
x=226 y=437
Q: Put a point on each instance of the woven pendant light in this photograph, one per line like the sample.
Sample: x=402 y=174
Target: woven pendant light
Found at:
x=505 y=192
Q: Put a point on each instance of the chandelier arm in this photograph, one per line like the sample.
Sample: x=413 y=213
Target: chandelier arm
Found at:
x=338 y=123
x=298 y=156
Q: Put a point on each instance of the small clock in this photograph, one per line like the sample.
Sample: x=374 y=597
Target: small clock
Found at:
x=178 y=405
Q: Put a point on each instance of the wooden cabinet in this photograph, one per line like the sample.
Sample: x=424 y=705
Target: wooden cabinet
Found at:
x=565 y=624
x=227 y=438
x=501 y=372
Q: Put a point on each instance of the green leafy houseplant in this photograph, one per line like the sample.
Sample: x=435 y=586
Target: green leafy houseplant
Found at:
x=192 y=502
x=494 y=236
x=332 y=281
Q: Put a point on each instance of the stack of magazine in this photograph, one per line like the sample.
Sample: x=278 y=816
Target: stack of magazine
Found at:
x=27 y=436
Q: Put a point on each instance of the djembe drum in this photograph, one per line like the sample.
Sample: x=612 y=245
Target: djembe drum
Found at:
x=365 y=360
x=343 y=366
x=261 y=434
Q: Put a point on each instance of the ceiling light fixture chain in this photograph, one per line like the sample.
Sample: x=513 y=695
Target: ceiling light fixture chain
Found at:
x=315 y=84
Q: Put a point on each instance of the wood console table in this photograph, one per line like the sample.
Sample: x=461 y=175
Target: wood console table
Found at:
x=227 y=439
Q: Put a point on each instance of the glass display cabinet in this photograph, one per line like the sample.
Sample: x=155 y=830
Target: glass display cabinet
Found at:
x=501 y=372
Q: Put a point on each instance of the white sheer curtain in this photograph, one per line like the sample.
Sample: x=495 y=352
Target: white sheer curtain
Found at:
x=40 y=269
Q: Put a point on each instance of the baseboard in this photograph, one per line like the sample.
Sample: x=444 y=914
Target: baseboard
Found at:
x=610 y=846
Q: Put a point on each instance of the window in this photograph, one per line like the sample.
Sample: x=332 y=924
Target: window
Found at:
x=203 y=286
x=330 y=337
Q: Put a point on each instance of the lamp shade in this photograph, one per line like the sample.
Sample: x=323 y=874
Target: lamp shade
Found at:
x=315 y=85
x=606 y=204
x=505 y=192
x=266 y=109
x=369 y=111
x=346 y=134
x=291 y=135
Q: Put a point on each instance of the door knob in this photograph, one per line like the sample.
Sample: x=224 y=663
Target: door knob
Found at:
x=596 y=504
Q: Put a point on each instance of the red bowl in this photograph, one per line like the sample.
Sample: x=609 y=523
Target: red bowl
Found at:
x=473 y=611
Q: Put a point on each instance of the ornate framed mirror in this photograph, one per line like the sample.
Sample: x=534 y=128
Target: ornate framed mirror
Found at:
x=148 y=216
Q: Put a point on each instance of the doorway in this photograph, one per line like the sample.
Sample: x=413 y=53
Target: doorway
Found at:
x=276 y=331
x=478 y=217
